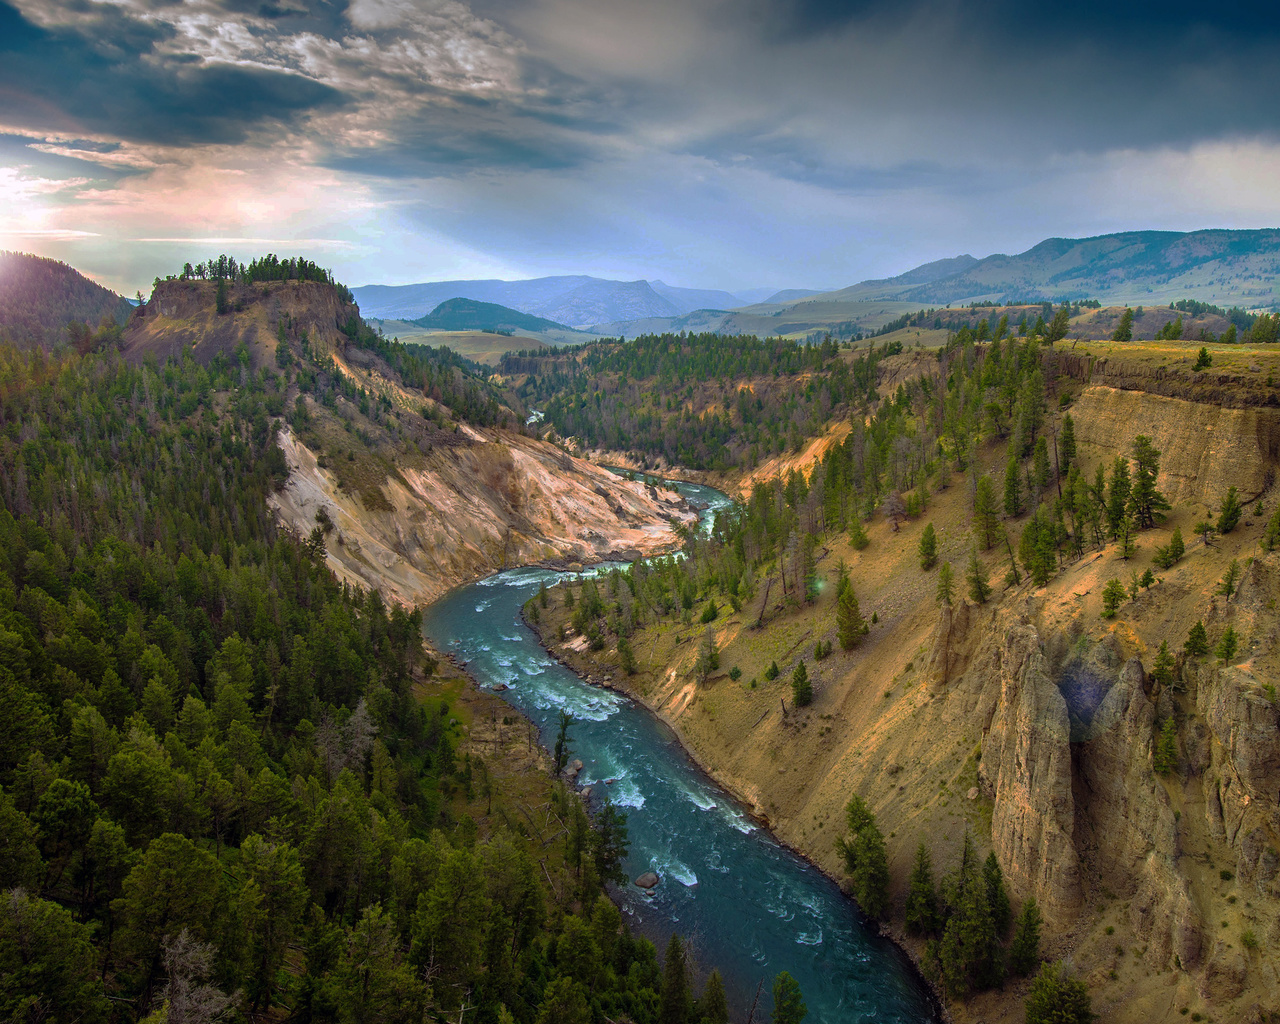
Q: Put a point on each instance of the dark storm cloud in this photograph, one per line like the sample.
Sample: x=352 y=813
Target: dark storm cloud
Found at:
x=105 y=76
x=444 y=149
x=1032 y=21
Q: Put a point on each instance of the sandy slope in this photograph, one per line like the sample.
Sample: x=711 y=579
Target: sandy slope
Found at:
x=500 y=500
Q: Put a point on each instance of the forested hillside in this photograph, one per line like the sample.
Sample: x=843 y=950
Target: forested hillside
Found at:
x=234 y=787
x=41 y=298
x=707 y=401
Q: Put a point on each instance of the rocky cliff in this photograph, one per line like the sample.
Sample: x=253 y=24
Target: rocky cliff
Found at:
x=1205 y=448
x=418 y=498
x=181 y=318
x=491 y=501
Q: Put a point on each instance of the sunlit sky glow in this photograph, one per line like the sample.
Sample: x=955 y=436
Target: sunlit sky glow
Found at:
x=712 y=143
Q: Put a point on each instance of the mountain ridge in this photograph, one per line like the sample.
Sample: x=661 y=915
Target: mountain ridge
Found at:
x=1218 y=265
x=40 y=297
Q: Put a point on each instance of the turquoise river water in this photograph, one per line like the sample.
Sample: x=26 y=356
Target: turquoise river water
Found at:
x=750 y=906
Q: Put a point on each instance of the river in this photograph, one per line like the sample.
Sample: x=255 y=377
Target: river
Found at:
x=750 y=906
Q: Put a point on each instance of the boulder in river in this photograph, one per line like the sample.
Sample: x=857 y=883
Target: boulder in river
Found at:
x=648 y=880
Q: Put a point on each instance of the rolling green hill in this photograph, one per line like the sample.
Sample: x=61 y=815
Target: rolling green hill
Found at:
x=471 y=315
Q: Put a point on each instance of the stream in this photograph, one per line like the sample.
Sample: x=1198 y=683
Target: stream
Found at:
x=749 y=906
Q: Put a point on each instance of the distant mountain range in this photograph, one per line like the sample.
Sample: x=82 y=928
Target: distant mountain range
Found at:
x=1226 y=268
x=575 y=301
x=39 y=297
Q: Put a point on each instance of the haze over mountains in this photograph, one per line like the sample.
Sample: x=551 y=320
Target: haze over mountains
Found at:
x=575 y=301
x=1227 y=268
x=1151 y=268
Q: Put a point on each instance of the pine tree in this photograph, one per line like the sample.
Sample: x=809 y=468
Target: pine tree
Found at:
x=928 y=548
x=708 y=657
x=713 y=1007
x=675 y=1004
x=1197 y=641
x=1164 y=758
x=1227 y=646
x=997 y=894
x=1112 y=596
x=801 y=688
x=850 y=626
x=977 y=578
x=1024 y=951
x=1227 y=585
x=626 y=657
x=946 y=584
x=1229 y=516
x=1013 y=489
x=1148 y=504
x=1162 y=670
x=1124 y=329
x=858 y=538
x=871 y=875
x=788 y=1004
x=986 y=523
x=1118 y=495
x=922 y=896
x=1067 y=442
x=1057 y=998
x=1040 y=471
x=969 y=953
x=562 y=750
x=1271 y=533
x=1060 y=324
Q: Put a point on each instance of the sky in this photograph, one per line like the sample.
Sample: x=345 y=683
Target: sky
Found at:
x=707 y=143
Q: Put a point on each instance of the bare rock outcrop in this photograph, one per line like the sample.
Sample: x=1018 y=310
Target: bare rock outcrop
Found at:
x=497 y=500
x=1242 y=782
x=1026 y=765
x=1205 y=448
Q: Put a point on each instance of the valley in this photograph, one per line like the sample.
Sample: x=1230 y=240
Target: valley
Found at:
x=614 y=513
x=824 y=649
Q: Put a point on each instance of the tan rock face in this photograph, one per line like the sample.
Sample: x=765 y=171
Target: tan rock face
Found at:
x=1204 y=449
x=1026 y=763
x=180 y=319
x=503 y=500
x=1243 y=778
